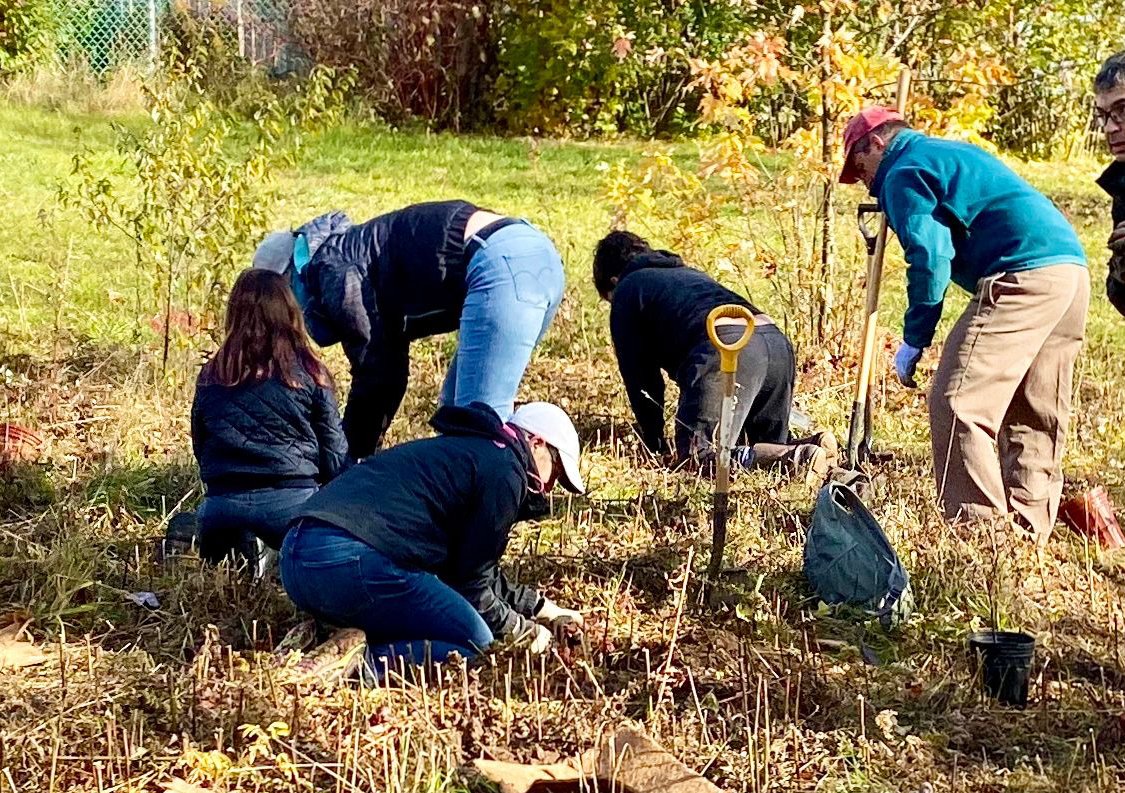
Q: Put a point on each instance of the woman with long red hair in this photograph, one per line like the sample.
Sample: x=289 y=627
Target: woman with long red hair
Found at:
x=265 y=425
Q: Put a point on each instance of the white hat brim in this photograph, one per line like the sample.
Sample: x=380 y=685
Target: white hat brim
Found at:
x=572 y=477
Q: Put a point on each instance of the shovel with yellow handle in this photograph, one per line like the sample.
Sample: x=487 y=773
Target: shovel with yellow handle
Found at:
x=728 y=365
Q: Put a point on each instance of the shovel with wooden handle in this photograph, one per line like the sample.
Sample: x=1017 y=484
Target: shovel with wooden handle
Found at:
x=728 y=365
x=859 y=429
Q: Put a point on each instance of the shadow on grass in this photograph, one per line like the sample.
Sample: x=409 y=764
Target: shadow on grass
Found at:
x=73 y=559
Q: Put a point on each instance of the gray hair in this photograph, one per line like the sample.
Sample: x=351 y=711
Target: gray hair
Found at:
x=887 y=131
x=1112 y=73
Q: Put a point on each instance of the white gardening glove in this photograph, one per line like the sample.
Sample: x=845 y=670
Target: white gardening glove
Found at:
x=906 y=361
x=550 y=611
x=541 y=638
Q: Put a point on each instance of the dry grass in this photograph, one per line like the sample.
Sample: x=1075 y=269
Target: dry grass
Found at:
x=763 y=693
x=72 y=88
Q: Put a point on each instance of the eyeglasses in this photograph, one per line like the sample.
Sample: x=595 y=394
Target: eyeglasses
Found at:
x=1116 y=114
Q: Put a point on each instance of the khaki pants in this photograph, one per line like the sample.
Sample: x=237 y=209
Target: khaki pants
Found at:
x=1000 y=402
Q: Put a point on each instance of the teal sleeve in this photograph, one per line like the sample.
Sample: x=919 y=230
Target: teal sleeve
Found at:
x=912 y=206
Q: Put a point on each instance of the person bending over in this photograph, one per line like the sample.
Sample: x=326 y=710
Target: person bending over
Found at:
x=422 y=270
x=1000 y=401
x=264 y=423
x=658 y=321
x=406 y=545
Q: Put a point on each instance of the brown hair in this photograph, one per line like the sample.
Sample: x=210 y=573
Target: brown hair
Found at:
x=265 y=336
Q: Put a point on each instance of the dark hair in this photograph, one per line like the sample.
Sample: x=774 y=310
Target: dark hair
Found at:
x=265 y=336
x=1112 y=73
x=886 y=131
x=612 y=256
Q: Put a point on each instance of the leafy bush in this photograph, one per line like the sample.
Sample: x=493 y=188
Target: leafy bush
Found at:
x=605 y=66
x=192 y=190
x=205 y=42
x=26 y=28
x=427 y=59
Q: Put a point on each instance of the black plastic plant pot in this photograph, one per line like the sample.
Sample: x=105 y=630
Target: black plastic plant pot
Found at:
x=1004 y=663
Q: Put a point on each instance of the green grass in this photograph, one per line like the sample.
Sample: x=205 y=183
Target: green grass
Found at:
x=748 y=691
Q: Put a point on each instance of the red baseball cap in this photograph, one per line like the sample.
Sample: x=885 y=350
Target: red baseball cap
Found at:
x=866 y=120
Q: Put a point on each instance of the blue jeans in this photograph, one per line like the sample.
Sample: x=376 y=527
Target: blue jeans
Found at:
x=515 y=283
x=229 y=523
x=343 y=581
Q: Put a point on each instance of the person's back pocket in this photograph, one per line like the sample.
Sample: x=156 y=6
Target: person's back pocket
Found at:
x=537 y=278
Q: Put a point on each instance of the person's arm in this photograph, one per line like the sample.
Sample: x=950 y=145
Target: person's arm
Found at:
x=475 y=557
x=339 y=287
x=379 y=378
x=525 y=600
x=644 y=382
x=912 y=205
x=333 y=446
x=198 y=430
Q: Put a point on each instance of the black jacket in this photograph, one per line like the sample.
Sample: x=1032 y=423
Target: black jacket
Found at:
x=375 y=287
x=658 y=316
x=445 y=505
x=1112 y=181
x=266 y=434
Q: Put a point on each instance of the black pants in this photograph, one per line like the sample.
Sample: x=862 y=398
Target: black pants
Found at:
x=763 y=394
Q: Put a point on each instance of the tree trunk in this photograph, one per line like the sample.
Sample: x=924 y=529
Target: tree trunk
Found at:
x=827 y=213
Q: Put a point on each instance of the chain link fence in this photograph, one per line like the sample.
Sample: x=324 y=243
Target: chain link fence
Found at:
x=105 y=34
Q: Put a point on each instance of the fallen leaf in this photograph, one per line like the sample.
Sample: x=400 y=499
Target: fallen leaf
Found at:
x=180 y=786
x=16 y=653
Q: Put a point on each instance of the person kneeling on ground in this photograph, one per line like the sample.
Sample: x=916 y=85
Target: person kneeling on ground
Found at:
x=658 y=321
x=406 y=545
x=265 y=427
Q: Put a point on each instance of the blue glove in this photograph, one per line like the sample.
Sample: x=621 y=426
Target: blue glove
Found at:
x=906 y=361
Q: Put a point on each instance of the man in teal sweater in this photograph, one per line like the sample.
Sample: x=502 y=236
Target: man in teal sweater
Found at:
x=1000 y=402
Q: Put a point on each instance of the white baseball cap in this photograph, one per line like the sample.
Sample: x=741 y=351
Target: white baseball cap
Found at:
x=551 y=423
x=275 y=252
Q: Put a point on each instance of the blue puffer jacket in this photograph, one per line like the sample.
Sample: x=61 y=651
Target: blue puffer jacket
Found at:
x=373 y=288
x=261 y=435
